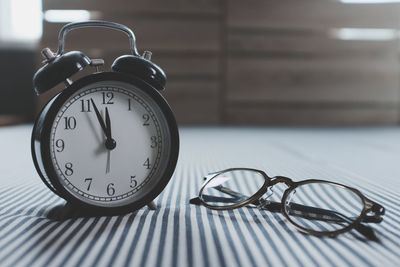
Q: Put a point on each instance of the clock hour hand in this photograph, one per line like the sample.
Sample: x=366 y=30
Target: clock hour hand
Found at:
x=99 y=118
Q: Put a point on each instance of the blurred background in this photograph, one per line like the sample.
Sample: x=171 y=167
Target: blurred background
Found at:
x=229 y=62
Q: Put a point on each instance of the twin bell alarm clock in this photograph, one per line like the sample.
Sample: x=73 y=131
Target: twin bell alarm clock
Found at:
x=109 y=141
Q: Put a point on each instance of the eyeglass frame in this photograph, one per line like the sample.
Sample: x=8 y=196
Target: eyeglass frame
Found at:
x=369 y=206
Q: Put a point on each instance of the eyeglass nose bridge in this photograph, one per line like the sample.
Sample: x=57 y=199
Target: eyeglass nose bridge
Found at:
x=281 y=179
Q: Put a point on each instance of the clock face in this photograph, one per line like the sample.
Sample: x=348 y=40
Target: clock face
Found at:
x=109 y=144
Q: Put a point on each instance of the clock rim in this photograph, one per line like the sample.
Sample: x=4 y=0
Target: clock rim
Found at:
x=42 y=132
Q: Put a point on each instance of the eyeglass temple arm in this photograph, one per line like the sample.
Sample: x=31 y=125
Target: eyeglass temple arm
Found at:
x=298 y=209
x=316 y=213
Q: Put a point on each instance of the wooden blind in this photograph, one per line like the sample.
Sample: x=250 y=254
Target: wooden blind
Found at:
x=256 y=62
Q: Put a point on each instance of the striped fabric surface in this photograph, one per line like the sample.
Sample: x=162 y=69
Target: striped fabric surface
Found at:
x=36 y=229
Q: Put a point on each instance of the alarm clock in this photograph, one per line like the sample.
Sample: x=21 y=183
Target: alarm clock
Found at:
x=109 y=141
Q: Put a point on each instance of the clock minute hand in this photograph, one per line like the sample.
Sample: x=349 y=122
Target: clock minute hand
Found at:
x=108 y=124
x=110 y=142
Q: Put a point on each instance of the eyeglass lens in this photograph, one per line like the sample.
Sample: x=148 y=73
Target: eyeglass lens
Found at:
x=231 y=187
x=323 y=206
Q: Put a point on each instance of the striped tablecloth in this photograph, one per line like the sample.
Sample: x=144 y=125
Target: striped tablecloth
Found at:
x=37 y=230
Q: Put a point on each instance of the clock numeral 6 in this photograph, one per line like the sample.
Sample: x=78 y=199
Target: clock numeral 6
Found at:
x=107 y=98
x=90 y=182
x=60 y=145
x=146 y=118
x=70 y=123
x=68 y=169
x=133 y=182
x=110 y=189
x=147 y=164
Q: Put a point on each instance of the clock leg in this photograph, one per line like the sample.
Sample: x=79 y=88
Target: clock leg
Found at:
x=152 y=205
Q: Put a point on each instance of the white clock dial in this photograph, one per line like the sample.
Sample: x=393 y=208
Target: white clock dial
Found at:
x=115 y=175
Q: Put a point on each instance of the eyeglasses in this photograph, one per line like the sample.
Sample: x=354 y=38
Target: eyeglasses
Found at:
x=316 y=207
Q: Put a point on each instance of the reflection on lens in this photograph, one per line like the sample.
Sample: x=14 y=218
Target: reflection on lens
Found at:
x=323 y=206
x=231 y=187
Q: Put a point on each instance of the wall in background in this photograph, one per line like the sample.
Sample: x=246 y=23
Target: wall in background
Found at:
x=272 y=62
x=20 y=30
x=16 y=95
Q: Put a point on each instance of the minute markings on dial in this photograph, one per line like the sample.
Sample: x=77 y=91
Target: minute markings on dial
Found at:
x=136 y=185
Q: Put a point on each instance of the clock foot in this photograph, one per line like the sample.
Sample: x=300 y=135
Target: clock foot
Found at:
x=152 y=205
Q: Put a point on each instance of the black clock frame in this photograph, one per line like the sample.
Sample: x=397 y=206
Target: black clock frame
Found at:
x=40 y=142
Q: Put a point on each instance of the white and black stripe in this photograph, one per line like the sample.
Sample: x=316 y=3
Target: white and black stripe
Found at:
x=36 y=231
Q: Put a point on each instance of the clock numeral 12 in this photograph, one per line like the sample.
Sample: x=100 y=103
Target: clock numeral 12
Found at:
x=70 y=123
x=107 y=97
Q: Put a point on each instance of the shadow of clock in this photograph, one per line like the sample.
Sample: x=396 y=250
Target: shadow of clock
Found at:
x=67 y=211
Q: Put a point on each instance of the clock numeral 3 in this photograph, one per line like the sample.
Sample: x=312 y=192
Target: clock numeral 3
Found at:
x=70 y=123
x=146 y=118
x=147 y=164
x=153 y=141
x=85 y=104
x=60 y=145
x=68 y=169
x=133 y=182
x=107 y=98
x=90 y=182
x=110 y=189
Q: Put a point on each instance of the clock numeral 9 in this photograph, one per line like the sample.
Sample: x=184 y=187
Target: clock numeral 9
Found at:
x=107 y=98
x=146 y=118
x=90 y=182
x=85 y=104
x=133 y=182
x=60 y=145
x=110 y=189
x=147 y=164
x=68 y=169
x=70 y=123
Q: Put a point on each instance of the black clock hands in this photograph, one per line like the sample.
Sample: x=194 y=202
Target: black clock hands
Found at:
x=110 y=142
x=99 y=118
x=108 y=124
